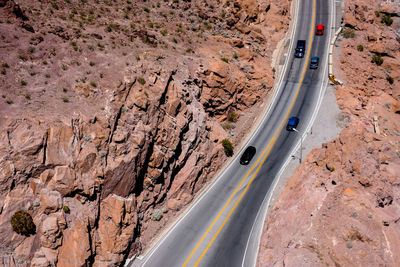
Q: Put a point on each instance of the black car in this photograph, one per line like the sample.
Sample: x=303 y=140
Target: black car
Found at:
x=248 y=154
x=314 y=63
x=300 y=48
x=292 y=124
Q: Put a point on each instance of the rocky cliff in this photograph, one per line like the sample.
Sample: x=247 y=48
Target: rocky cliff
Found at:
x=112 y=112
x=342 y=205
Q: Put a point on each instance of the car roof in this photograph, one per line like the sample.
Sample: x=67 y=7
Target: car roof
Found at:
x=293 y=120
x=320 y=25
x=250 y=148
x=315 y=58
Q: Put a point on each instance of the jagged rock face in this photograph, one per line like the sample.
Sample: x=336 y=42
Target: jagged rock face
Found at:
x=92 y=143
x=342 y=205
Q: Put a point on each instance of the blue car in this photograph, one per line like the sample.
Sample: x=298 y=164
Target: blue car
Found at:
x=314 y=63
x=292 y=124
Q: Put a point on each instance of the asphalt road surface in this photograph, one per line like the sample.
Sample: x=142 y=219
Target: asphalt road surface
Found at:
x=216 y=229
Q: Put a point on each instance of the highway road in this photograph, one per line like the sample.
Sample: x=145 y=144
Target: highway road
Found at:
x=217 y=229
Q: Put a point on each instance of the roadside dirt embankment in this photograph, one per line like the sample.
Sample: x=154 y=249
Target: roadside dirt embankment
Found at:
x=342 y=205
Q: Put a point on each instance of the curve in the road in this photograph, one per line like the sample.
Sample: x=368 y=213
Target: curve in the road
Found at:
x=229 y=208
x=263 y=157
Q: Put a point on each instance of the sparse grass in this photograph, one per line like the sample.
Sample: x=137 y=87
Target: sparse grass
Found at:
x=31 y=50
x=224 y=59
x=360 y=48
x=23 y=83
x=348 y=33
x=164 y=32
x=377 y=59
x=54 y=5
x=93 y=84
x=23 y=57
x=188 y=50
x=74 y=45
x=141 y=80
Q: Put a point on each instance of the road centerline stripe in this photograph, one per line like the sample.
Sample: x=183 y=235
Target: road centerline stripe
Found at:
x=268 y=147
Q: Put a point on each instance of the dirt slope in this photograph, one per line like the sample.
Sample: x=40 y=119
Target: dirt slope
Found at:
x=112 y=115
x=342 y=205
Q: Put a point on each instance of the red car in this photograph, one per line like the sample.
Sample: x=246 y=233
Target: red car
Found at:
x=320 y=29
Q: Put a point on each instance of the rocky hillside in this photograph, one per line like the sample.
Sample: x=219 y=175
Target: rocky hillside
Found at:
x=342 y=205
x=112 y=115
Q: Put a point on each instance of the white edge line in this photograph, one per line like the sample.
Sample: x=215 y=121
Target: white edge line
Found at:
x=237 y=154
x=283 y=73
x=269 y=194
x=150 y=253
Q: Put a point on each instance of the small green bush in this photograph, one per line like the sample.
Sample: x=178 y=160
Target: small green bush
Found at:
x=54 y=5
x=224 y=59
x=146 y=9
x=360 y=48
x=91 y=63
x=23 y=82
x=65 y=99
x=233 y=116
x=93 y=84
x=28 y=96
x=9 y=101
x=387 y=20
x=5 y=65
x=141 y=80
x=348 y=33
x=228 y=147
x=390 y=79
x=377 y=59
x=235 y=55
x=23 y=57
x=66 y=209
x=377 y=13
x=22 y=223
x=164 y=32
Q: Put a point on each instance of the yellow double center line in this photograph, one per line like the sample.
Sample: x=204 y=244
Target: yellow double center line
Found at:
x=261 y=158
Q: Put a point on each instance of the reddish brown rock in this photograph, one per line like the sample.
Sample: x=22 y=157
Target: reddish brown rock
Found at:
x=350 y=213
